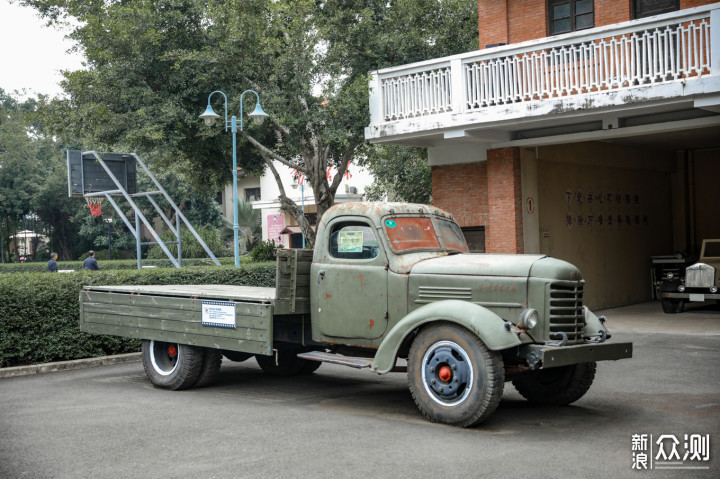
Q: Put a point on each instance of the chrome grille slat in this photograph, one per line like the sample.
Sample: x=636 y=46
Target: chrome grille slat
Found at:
x=699 y=275
x=565 y=309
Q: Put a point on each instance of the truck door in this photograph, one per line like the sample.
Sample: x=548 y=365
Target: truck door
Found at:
x=349 y=298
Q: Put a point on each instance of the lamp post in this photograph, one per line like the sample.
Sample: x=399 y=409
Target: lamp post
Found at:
x=109 y=222
x=302 y=201
x=209 y=116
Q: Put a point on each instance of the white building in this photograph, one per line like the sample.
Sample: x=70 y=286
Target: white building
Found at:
x=265 y=196
x=586 y=130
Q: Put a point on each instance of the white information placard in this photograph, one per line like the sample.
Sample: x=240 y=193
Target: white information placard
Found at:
x=220 y=314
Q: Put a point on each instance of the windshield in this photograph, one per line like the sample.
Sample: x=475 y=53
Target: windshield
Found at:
x=711 y=249
x=452 y=236
x=411 y=233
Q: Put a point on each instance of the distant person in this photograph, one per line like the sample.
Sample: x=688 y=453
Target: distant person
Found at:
x=52 y=264
x=90 y=262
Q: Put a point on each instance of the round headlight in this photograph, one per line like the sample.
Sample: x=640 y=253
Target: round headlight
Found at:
x=681 y=288
x=528 y=319
x=670 y=275
x=713 y=289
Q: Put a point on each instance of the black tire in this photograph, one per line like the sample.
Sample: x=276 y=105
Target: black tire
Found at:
x=454 y=378
x=288 y=364
x=556 y=386
x=171 y=365
x=310 y=366
x=672 y=306
x=210 y=369
x=236 y=356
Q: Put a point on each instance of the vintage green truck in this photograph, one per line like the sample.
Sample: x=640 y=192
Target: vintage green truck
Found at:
x=386 y=282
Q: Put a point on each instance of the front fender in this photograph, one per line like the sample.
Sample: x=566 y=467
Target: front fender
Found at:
x=488 y=326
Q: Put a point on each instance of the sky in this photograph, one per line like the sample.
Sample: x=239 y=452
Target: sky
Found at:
x=32 y=54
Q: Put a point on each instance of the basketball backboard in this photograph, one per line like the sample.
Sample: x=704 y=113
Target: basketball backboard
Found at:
x=86 y=174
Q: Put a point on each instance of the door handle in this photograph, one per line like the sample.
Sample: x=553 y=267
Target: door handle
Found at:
x=321 y=275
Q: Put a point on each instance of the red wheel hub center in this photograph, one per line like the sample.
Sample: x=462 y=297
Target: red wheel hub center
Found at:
x=445 y=373
x=172 y=350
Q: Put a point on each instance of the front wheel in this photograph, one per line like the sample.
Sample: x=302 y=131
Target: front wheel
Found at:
x=672 y=306
x=172 y=365
x=556 y=386
x=454 y=378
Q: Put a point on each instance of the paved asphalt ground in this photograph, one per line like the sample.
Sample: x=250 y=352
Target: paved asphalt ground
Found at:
x=110 y=422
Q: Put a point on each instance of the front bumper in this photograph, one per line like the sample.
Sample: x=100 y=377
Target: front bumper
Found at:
x=556 y=356
x=691 y=296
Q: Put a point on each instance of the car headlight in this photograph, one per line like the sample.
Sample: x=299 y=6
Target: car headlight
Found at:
x=681 y=288
x=528 y=319
x=713 y=289
x=670 y=275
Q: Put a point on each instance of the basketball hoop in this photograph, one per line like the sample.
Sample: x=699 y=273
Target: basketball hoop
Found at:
x=95 y=204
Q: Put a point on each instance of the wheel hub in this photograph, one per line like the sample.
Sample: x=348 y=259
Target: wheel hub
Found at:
x=164 y=357
x=447 y=373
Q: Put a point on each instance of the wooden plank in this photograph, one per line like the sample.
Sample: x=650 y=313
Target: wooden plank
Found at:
x=161 y=302
x=284 y=292
x=241 y=321
x=196 y=328
x=245 y=346
x=218 y=292
x=283 y=306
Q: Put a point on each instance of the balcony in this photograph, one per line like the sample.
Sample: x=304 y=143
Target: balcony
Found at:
x=656 y=74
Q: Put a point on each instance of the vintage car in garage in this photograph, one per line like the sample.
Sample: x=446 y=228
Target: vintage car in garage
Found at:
x=698 y=283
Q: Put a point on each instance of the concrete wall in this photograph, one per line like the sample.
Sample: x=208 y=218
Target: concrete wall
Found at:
x=607 y=209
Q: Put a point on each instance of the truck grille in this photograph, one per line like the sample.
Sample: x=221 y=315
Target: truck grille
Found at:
x=699 y=275
x=565 y=311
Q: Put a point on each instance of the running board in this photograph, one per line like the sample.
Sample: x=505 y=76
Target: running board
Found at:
x=358 y=363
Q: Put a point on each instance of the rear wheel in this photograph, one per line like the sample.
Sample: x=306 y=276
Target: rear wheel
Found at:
x=454 y=378
x=172 y=365
x=556 y=386
x=672 y=306
x=210 y=368
x=236 y=356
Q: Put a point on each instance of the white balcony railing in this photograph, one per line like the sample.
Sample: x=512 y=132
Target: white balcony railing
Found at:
x=662 y=49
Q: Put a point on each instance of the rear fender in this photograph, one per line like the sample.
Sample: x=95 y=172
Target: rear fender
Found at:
x=488 y=326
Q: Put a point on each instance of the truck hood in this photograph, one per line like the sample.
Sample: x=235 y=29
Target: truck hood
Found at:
x=478 y=264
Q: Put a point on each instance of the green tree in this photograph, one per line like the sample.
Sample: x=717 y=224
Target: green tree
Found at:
x=20 y=160
x=151 y=64
x=249 y=222
x=401 y=174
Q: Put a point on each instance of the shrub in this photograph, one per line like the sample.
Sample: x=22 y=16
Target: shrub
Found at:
x=191 y=248
x=265 y=251
x=39 y=312
x=38 y=267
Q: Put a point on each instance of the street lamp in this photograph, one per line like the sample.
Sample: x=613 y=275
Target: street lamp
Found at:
x=109 y=222
x=209 y=117
x=295 y=183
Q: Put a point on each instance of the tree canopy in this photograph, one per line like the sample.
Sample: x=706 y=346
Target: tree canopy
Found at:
x=152 y=63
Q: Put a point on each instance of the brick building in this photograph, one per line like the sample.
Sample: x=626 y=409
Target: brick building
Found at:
x=582 y=129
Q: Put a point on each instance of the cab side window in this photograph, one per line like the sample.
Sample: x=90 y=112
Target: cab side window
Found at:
x=353 y=240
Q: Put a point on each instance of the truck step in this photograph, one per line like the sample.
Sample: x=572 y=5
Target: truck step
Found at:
x=357 y=363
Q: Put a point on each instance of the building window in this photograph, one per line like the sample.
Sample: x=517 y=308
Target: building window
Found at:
x=570 y=15
x=648 y=8
x=219 y=197
x=475 y=238
x=252 y=194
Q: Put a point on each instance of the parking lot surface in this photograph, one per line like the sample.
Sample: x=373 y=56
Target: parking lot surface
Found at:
x=110 y=422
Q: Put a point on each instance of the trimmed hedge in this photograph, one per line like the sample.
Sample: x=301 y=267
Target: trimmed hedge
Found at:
x=39 y=312
x=41 y=267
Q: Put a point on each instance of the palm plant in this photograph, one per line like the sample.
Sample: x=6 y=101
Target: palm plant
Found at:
x=249 y=223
